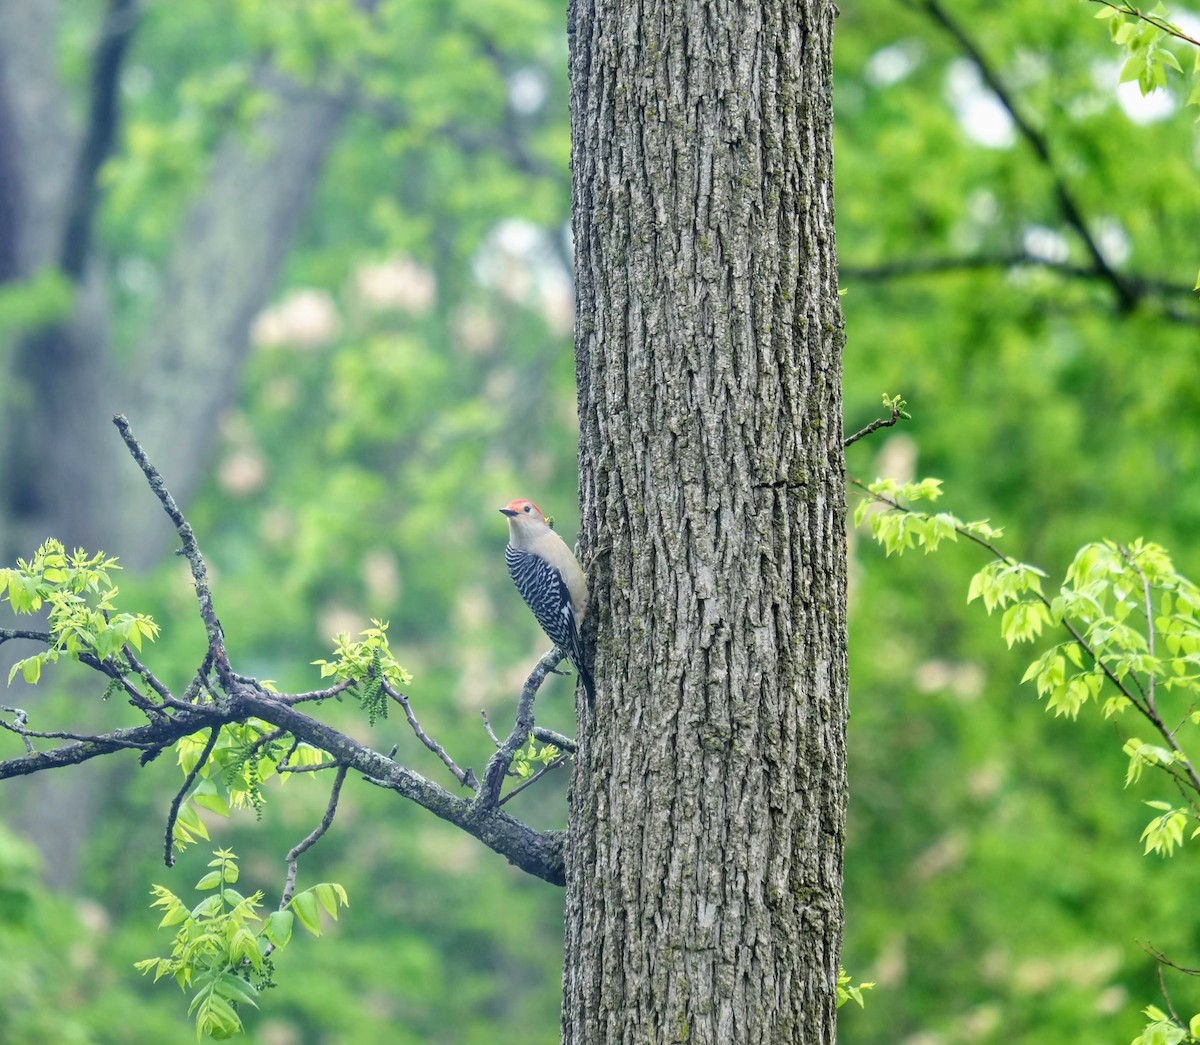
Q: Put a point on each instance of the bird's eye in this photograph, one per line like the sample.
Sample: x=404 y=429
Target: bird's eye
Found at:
x=526 y=508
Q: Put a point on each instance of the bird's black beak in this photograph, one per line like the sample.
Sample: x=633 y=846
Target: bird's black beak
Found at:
x=507 y=511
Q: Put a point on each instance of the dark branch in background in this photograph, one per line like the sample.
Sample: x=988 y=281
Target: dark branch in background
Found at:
x=1127 y=298
x=103 y=120
x=181 y=794
x=911 y=267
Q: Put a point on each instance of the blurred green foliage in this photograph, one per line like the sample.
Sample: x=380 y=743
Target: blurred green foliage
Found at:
x=415 y=373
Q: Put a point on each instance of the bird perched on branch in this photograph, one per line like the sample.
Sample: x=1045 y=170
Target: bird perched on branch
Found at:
x=550 y=581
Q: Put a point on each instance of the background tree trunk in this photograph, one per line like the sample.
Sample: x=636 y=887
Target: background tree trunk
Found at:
x=66 y=475
x=707 y=818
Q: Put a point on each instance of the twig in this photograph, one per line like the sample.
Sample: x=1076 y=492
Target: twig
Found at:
x=269 y=738
x=548 y=736
x=319 y=694
x=169 y=847
x=487 y=724
x=191 y=550
x=497 y=767
x=294 y=854
x=1162 y=959
x=56 y=734
x=19 y=722
x=200 y=683
x=874 y=426
x=548 y=767
x=151 y=680
x=1159 y=23
x=465 y=777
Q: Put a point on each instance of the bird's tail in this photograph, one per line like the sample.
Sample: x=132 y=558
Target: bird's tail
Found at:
x=589 y=685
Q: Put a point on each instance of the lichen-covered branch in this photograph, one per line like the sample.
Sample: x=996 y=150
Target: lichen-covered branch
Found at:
x=218 y=696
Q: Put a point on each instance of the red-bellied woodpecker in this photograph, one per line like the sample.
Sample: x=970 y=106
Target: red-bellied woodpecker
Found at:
x=550 y=581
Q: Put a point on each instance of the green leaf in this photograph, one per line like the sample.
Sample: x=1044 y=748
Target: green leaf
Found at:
x=31 y=669
x=208 y=796
x=234 y=988
x=308 y=911
x=279 y=927
x=209 y=881
x=329 y=894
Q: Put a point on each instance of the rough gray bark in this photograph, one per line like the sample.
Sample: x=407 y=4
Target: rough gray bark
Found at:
x=707 y=819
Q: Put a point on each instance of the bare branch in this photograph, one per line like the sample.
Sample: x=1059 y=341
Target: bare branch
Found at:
x=319 y=694
x=149 y=678
x=874 y=426
x=58 y=734
x=497 y=767
x=320 y=767
x=20 y=720
x=7 y=634
x=191 y=551
x=181 y=794
x=1162 y=959
x=487 y=724
x=465 y=777
x=548 y=736
x=294 y=854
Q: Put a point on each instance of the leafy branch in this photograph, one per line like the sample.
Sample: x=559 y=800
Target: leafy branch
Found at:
x=1132 y=625
x=221 y=950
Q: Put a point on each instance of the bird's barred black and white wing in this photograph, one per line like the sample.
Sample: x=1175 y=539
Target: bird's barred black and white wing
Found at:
x=545 y=592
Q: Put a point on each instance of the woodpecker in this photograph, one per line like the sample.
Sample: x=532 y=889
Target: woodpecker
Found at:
x=550 y=581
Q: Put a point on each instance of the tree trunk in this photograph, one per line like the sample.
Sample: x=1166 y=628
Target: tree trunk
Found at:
x=708 y=805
